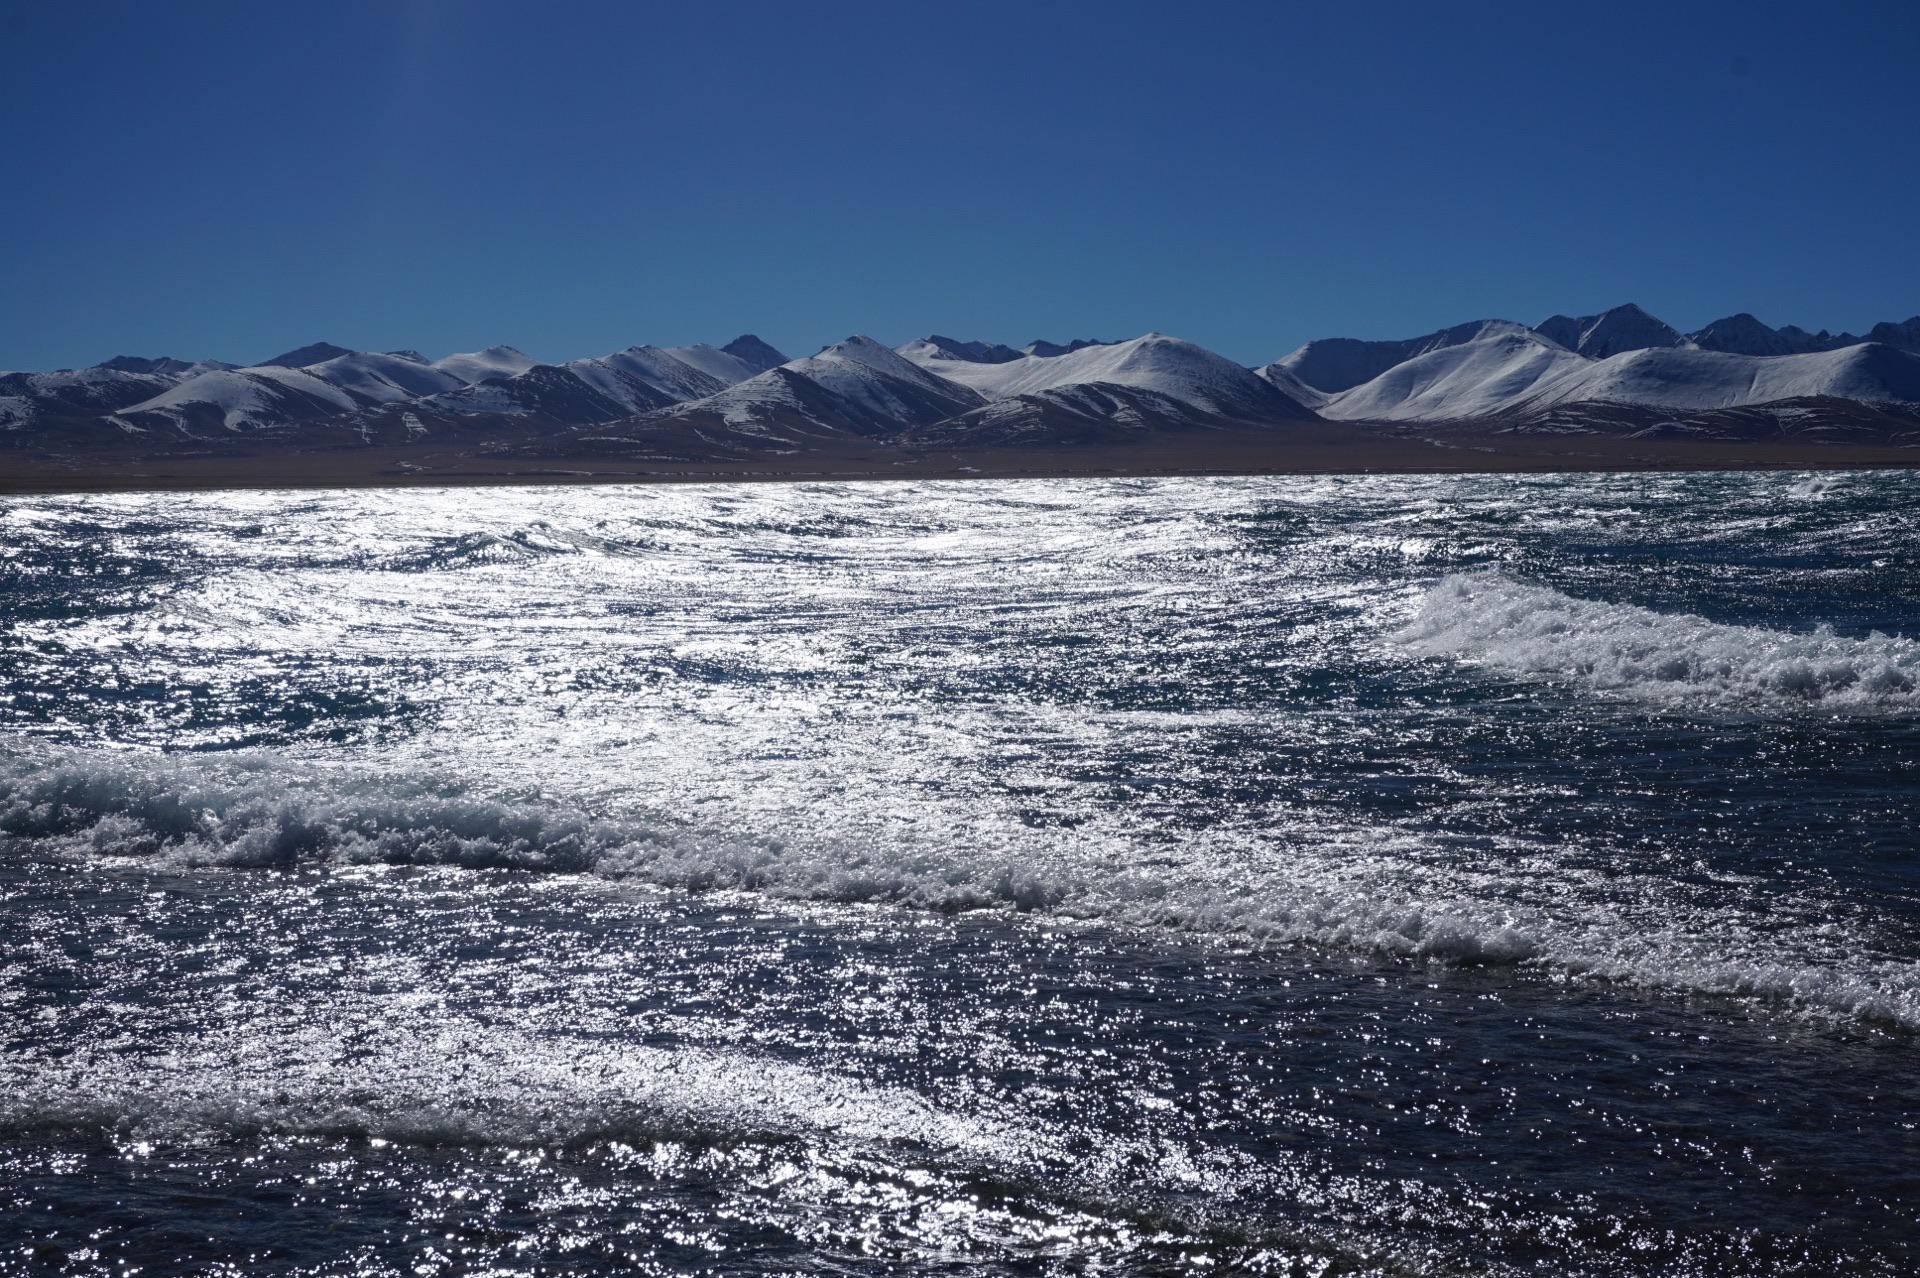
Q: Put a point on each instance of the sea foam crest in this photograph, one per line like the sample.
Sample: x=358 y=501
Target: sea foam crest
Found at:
x=1506 y=624
x=1381 y=890
x=412 y=1076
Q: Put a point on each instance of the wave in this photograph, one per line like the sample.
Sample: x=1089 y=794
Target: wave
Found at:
x=379 y=1070
x=1514 y=626
x=1398 y=892
x=790 y=1142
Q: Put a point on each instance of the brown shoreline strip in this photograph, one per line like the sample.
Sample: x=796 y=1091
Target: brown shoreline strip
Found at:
x=1288 y=451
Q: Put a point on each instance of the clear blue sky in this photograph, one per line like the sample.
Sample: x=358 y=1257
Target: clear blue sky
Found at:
x=233 y=179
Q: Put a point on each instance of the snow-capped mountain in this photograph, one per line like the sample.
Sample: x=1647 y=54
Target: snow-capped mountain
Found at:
x=857 y=386
x=239 y=398
x=609 y=387
x=165 y=366
x=320 y=380
x=1047 y=350
x=1742 y=334
x=1335 y=364
x=1509 y=369
x=722 y=366
x=1499 y=366
x=75 y=392
x=1623 y=328
x=1687 y=378
x=1621 y=370
x=1177 y=379
x=755 y=352
x=1624 y=357
x=323 y=381
x=930 y=351
x=383 y=377
x=478 y=366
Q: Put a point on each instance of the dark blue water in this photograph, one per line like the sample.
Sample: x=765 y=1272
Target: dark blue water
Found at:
x=1304 y=876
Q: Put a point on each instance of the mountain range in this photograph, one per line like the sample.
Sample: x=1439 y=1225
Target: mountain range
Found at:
x=1620 y=371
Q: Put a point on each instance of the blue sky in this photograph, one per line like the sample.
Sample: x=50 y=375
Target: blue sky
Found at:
x=233 y=179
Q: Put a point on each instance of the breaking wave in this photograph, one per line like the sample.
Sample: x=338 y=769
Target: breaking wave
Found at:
x=808 y=1147
x=1391 y=891
x=1525 y=629
x=399 y=1073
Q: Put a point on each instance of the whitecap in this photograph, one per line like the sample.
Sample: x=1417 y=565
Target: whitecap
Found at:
x=1502 y=623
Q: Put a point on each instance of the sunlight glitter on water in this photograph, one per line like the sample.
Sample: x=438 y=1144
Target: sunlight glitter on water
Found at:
x=986 y=876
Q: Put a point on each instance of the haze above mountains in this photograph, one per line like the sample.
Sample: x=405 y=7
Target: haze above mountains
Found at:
x=1620 y=370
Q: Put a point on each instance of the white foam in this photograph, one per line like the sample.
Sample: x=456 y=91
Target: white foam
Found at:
x=1400 y=892
x=610 y=694
x=1505 y=624
x=389 y=1068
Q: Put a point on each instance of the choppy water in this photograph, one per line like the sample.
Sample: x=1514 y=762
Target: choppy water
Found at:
x=1311 y=876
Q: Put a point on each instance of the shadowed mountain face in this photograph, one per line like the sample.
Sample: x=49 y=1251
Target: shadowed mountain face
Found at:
x=164 y=366
x=1742 y=334
x=937 y=347
x=317 y=353
x=1047 y=350
x=1624 y=328
x=755 y=352
x=1335 y=364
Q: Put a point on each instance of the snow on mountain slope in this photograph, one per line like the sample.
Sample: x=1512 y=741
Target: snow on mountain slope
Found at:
x=477 y=366
x=1335 y=364
x=1292 y=387
x=1624 y=328
x=550 y=391
x=1742 y=334
x=1504 y=365
x=1048 y=350
x=383 y=378
x=723 y=366
x=1085 y=413
x=77 y=392
x=1167 y=366
x=1511 y=369
x=282 y=390
x=640 y=375
x=931 y=350
x=1694 y=379
x=856 y=386
x=165 y=366
x=601 y=389
x=882 y=386
x=248 y=397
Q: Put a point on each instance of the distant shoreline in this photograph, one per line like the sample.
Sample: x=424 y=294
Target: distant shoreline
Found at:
x=1305 y=449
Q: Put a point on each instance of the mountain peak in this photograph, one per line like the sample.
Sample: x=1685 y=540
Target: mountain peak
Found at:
x=1048 y=350
x=751 y=349
x=138 y=364
x=864 y=350
x=1743 y=334
x=858 y=342
x=1622 y=328
x=934 y=346
x=1334 y=364
x=305 y=356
